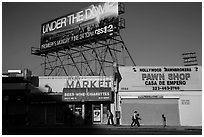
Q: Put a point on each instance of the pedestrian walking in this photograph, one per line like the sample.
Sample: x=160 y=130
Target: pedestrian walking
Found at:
x=110 y=118
x=134 y=119
x=164 y=120
x=137 y=120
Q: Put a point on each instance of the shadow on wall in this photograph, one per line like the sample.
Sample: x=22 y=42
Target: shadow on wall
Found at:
x=32 y=107
x=26 y=110
x=47 y=108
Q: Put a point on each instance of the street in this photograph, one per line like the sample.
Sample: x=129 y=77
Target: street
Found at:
x=104 y=130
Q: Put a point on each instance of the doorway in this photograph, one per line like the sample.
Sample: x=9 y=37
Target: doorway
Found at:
x=97 y=113
x=88 y=113
x=74 y=114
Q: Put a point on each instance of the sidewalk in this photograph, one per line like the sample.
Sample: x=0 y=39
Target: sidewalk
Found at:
x=147 y=127
x=103 y=126
x=103 y=130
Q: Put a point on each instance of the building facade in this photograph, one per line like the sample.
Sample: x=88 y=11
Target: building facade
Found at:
x=16 y=88
x=173 y=91
x=82 y=99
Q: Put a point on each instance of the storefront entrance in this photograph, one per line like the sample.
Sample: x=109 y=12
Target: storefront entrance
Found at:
x=86 y=113
x=97 y=113
x=88 y=105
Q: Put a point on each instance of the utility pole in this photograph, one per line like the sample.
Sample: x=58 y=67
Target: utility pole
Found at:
x=117 y=79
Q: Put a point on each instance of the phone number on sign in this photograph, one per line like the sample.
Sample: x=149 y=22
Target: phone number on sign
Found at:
x=166 y=88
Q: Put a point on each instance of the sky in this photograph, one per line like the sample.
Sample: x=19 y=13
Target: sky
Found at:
x=156 y=34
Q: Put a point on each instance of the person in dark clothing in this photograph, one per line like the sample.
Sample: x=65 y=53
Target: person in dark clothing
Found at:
x=110 y=118
x=164 y=120
x=134 y=119
x=68 y=117
x=27 y=119
x=137 y=120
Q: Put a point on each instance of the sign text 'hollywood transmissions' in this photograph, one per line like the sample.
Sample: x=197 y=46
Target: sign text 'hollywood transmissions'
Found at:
x=160 y=78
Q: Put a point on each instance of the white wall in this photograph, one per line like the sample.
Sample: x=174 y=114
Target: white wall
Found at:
x=191 y=113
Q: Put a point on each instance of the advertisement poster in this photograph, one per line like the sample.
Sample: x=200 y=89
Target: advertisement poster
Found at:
x=97 y=115
x=79 y=25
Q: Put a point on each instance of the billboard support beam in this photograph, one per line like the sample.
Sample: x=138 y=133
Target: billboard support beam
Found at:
x=62 y=64
x=74 y=64
x=87 y=62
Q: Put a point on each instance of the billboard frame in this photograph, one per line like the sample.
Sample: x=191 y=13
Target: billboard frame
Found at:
x=97 y=19
x=93 y=56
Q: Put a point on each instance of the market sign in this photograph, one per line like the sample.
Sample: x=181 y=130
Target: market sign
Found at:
x=88 y=83
x=58 y=83
x=84 y=95
x=67 y=28
x=168 y=78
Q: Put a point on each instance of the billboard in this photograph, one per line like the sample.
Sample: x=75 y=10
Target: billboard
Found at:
x=86 y=94
x=94 y=20
x=165 y=78
x=57 y=83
